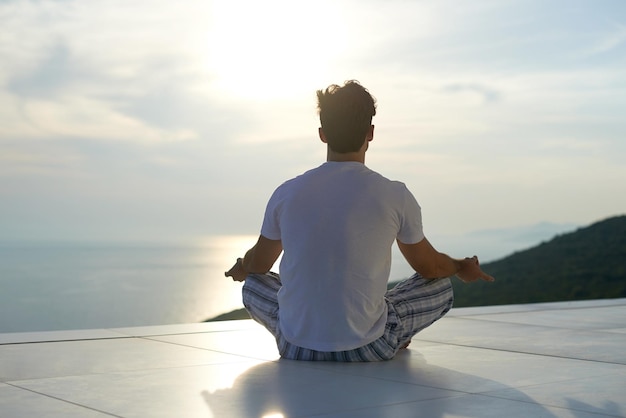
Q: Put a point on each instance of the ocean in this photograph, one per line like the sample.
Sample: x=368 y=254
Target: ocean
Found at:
x=98 y=285
x=60 y=286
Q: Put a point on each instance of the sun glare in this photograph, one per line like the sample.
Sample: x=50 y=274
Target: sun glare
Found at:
x=273 y=49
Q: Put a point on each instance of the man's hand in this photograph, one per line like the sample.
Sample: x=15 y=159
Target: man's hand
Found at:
x=258 y=259
x=470 y=271
x=237 y=271
x=431 y=264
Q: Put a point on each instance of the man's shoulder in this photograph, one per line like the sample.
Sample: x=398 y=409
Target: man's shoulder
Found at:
x=391 y=182
x=295 y=181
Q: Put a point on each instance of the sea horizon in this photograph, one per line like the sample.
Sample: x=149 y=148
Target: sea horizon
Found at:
x=63 y=284
x=79 y=284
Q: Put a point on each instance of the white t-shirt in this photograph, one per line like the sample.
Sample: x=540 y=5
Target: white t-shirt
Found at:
x=337 y=224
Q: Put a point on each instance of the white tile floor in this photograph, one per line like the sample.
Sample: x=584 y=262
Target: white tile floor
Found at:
x=538 y=360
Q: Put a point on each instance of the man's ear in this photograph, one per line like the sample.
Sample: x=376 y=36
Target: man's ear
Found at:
x=370 y=133
x=322 y=135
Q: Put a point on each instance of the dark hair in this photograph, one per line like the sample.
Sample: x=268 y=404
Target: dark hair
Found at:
x=346 y=115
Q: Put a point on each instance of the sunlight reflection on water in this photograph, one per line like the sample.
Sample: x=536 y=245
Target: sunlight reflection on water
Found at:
x=104 y=285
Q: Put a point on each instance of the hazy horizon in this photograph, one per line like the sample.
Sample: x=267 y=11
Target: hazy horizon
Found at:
x=155 y=122
x=488 y=244
x=63 y=285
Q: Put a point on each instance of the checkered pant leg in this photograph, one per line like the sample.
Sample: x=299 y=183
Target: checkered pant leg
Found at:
x=260 y=298
x=412 y=306
x=419 y=302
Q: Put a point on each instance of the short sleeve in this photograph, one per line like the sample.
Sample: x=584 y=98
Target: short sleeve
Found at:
x=270 y=228
x=411 y=229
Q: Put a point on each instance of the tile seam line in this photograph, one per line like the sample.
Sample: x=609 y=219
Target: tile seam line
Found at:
x=62 y=400
x=599 y=414
x=608 y=305
x=425 y=340
x=120 y=337
x=176 y=333
x=489 y=321
x=204 y=349
x=385 y=405
x=459 y=391
x=525 y=352
x=493 y=393
x=466 y=394
x=16 y=381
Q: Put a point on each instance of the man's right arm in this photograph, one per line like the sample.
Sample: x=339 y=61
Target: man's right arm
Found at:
x=258 y=259
x=431 y=264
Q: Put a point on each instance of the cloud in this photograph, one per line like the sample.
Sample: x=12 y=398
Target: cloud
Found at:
x=55 y=73
x=69 y=73
x=115 y=103
x=608 y=41
x=487 y=94
x=81 y=118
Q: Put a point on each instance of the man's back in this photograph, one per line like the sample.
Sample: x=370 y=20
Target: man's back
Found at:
x=337 y=224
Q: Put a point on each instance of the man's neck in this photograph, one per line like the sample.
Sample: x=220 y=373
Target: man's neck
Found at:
x=344 y=157
x=358 y=156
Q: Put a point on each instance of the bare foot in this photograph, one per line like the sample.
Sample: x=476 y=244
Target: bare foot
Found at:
x=406 y=344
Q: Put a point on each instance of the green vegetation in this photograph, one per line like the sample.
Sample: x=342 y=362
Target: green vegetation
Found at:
x=589 y=263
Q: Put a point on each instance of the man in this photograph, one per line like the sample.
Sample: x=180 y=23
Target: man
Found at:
x=336 y=225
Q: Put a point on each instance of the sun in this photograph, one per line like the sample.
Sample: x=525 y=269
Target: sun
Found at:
x=271 y=49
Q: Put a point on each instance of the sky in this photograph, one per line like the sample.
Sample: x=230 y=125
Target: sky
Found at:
x=161 y=121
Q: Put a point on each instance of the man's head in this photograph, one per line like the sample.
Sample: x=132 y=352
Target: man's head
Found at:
x=346 y=115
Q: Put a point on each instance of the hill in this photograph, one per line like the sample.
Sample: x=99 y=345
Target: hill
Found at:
x=589 y=263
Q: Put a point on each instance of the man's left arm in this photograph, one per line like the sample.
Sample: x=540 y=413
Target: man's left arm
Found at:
x=258 y=259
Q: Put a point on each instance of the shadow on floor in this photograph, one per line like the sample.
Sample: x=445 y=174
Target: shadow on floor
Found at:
x=295 y=388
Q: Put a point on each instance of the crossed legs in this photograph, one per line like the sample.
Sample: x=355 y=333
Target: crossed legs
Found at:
x=413 y=305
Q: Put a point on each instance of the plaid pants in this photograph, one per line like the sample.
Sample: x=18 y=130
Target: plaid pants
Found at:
x=413 y=305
